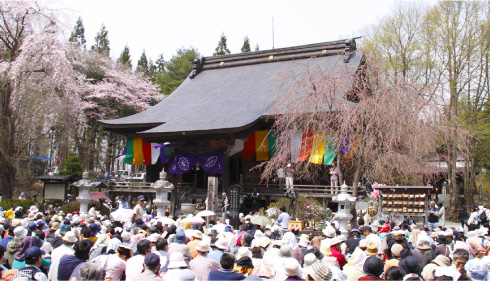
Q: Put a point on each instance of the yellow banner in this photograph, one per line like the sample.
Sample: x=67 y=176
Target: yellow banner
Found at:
x=138 y=151
x=261 y=146
x=318 y=149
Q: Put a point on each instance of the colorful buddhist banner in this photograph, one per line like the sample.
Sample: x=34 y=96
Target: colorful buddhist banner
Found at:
x=128 y=159
x=296 y=146
x=138 y=151
x=272 y=139
x=154 y=153
x=329 y=154
x=249 y=147
x=306 y=146
x=212 y=162
x=318 y=149
x=183 y=162
x=261 y=146
x=146 y=151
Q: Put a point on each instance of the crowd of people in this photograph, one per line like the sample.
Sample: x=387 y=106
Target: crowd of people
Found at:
x=38 y=245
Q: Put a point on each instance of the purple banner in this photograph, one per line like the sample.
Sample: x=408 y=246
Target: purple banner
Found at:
x=183 y=162
x=212 y=162
x=344 y=146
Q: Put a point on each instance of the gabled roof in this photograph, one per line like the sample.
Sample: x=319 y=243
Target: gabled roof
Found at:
x=230 y=93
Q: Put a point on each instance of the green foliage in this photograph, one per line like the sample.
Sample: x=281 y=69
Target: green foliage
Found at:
x=143 y=65
x=78 y=33
x=74 y=206
x=174 y=71
x=102 y=42
x=221 y=49
x=257 y=48
x=299 y=207
x=25 y=204
x=125 y=57
x=71 y=166
x=246 y=45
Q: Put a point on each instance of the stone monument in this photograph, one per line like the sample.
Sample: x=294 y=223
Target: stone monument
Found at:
x=162 y=188
x=84 y=186
x=343 y=215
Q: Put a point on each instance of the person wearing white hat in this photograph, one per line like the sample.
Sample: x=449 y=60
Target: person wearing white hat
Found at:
x=13 y=246
x=66 y=248
x=178 y=269
x=221 y=246
x=202 y=265
x=196 y=238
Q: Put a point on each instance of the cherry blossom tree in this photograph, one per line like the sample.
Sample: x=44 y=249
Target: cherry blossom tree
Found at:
x=391 y=125
x=52 y=88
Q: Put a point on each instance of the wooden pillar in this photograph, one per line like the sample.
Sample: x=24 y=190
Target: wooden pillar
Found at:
x=226 y=171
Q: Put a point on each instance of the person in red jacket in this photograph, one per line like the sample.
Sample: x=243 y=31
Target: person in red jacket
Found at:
x=336 y=252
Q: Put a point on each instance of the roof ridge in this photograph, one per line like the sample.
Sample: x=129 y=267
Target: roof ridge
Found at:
x=338 y=47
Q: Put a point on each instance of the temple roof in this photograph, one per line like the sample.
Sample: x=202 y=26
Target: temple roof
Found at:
x=230 y=93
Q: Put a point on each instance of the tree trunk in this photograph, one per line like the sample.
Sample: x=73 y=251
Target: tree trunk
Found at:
x=355 y=182
x=7 y=152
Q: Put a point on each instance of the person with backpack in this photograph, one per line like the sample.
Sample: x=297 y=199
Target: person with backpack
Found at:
x=473 y=221
x=33 y=258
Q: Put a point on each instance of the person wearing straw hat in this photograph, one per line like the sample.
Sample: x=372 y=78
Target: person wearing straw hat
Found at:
x=426 y=251
x=429 y=270
x=203 y=265
x=336 y=253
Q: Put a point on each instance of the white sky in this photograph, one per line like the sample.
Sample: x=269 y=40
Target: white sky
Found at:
x=161 y=26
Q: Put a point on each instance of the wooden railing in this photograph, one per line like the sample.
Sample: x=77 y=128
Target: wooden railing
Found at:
x=322 y=191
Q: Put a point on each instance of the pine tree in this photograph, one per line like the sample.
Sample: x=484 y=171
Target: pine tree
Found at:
x=257 y=48
x=221 y=49
x=143 y=65
x=125 y=58
x=102 y=42
x=160 y=64
x=175 y=70
x=78 y=33
x=246 y=45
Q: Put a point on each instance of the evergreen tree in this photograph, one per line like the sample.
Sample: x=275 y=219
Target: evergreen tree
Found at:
x=246 y=45
x=221 y=49
x=71 y=166
x=175 y=71
x=78 y=33
x=160 y=64
x=257 y=48
x=102 y=42
x=143 y=65
x=125 y=57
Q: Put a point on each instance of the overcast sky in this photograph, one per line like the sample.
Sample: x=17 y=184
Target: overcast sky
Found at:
x=161 y=26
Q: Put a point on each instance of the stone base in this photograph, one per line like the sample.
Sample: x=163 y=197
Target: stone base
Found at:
x=84 y=204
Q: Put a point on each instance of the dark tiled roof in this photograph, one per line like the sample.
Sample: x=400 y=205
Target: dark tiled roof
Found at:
x=232 y=92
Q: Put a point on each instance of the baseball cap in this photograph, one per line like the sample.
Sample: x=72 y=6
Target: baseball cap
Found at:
x=33 y=252
x=152 y=259
x=141 y=198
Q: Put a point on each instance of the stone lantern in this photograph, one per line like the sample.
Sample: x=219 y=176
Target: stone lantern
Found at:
x=84 y=186
x=343 y=215
x=162 y=188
